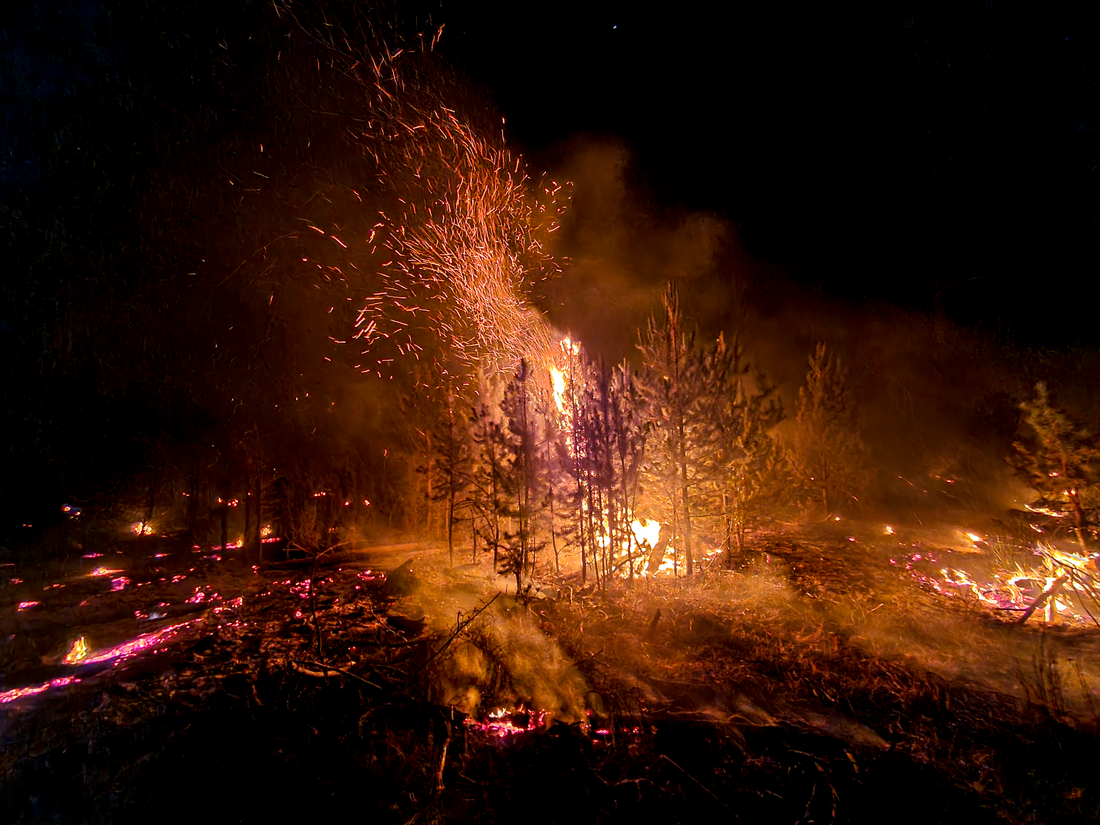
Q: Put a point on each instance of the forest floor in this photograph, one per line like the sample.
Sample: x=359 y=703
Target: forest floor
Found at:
x=817 y=682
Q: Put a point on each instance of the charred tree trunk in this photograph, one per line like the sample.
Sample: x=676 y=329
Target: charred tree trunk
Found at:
x=247 y=518
x=193 y=506
x=729 y=530
x=1080 y=519
x=258 y=534
x=224 y=501
x=451 y=525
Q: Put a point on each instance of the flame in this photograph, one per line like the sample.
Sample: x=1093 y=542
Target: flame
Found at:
x=557 y=378
x=78 y=652
x=1016 y=591
x=104 y=571
x=646 y=531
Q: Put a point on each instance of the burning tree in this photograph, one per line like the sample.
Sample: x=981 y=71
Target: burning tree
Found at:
x=826 y=453
x=1060 y=461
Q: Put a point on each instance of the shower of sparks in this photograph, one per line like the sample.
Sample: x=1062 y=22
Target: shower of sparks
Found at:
x=440 y=253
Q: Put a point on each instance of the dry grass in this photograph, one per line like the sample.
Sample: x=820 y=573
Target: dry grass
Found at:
x=814 y=683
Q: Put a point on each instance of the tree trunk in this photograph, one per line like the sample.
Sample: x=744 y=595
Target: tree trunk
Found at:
x=258 y=535
x=688 y=559
x=1080 y=520
x=247 y=517
x=451 y=524
x=225 y=513
x=729 y=529
x=193 y=506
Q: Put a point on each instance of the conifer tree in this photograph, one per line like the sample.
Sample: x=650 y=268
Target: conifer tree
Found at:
x=826 y=454
x=1059 y=460
x=487 y=480
x=577 y=395
x=627 y=428
x=449 y=467
x=748 y=462
x=677 y=384
x=521 y=501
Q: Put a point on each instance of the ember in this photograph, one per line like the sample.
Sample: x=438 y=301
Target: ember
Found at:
x=504 y=722
x=18 y=693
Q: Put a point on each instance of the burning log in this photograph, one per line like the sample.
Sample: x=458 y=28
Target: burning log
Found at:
x=1053 y=590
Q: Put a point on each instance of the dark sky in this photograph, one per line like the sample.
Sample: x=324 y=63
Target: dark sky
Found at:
x=936 y=157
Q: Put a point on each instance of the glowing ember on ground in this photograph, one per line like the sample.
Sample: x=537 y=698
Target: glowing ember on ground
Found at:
x=301 y=588
x=502 y=723
x=25 y=605
x=104 y=571
x=79 y=654
x=119 y=584
x=19 y=693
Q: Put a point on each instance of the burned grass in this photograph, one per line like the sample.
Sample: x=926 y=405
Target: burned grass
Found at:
x=767 y=693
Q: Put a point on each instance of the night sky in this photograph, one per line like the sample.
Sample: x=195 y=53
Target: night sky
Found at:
x=940 y=157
